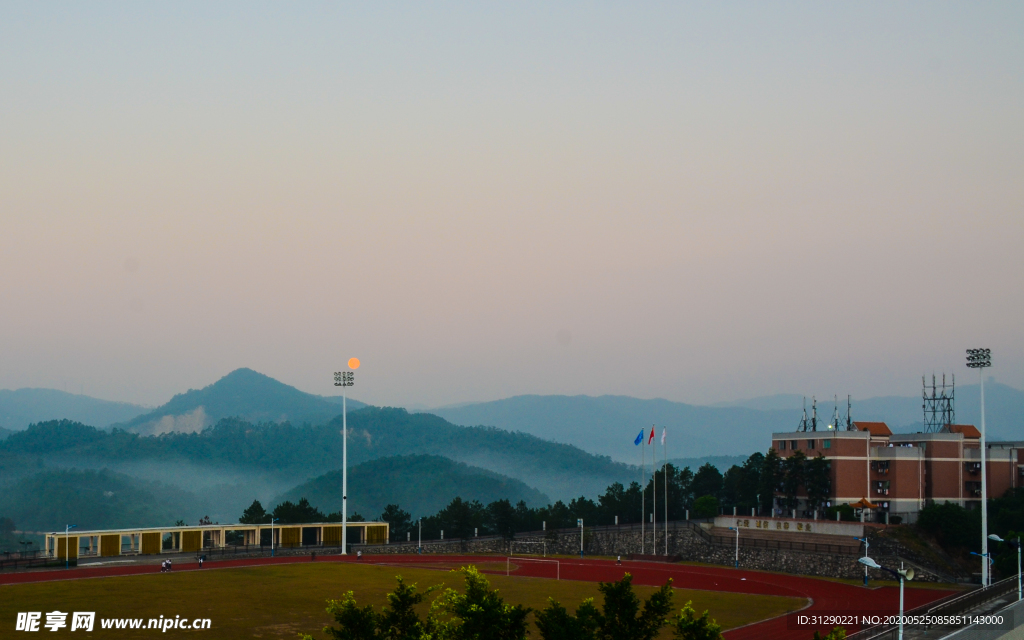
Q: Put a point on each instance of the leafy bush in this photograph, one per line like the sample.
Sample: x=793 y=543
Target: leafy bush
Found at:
x=706 y=507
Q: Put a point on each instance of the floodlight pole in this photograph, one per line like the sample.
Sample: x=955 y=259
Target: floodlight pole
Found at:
x=737 y=529
x=344 y=379
x=419 y=539
x=272 y=521
x=67 y=543
x=981 y=359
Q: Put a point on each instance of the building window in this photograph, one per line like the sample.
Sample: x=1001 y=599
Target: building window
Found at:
x=782 y=445
x=828 y=444
x=792 y=445
x=810 y=444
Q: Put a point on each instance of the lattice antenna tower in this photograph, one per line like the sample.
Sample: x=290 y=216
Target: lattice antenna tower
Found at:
x=939 y=407
x=811 y=423
x=834 y=422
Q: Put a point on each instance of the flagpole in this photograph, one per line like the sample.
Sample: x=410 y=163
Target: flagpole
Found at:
x=654 y=494
x=643 y=492
x=664 y=452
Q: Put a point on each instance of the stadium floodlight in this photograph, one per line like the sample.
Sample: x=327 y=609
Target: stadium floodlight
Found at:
x=901 y=574
x=345 y=379
x=981 y=359
x=67 y=546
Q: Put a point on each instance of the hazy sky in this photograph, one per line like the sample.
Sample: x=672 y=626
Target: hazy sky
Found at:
x=700 y=202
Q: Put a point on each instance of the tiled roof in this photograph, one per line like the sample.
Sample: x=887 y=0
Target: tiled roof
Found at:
x=876 y=428
x=969 y=430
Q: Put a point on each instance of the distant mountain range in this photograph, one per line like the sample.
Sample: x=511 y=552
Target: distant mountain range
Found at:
x=22 y=407
x=420 y=484
x=607 y=425
x=244 y=394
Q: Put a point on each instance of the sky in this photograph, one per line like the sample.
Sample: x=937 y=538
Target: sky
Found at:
x=695 y=201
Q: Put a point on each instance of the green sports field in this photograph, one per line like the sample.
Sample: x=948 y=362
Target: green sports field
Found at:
x=280 y=601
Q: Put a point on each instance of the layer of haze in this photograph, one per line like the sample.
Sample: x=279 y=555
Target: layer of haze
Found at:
x=700 y=202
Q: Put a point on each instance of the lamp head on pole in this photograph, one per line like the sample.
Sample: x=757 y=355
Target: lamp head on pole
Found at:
x=868 y=562
x=979 y=358
x=993 y=536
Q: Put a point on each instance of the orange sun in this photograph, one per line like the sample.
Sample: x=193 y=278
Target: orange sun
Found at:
x=353 y=363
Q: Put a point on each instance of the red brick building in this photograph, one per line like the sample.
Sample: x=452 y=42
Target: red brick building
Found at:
x=900 y=473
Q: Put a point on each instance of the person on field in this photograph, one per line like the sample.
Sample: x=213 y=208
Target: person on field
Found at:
x=163 y=566
x=618 y=559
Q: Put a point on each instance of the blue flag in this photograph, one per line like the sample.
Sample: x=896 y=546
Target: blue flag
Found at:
x=639 y=437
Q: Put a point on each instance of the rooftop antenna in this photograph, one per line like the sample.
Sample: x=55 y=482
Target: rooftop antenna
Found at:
x=834 y=423
x=849 y=421
x=814 y=414
x=803 y=420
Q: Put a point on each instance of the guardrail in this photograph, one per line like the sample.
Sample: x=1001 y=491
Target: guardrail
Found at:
x=954 y=604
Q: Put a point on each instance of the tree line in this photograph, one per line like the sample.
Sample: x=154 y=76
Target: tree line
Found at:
x=755 y=483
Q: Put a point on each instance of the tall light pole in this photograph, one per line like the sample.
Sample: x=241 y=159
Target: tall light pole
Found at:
x=900 y=573
x=737 y=529
x=1012 y=543
x=272 y=521
x=67 y=547
x=981 y=359
x=419 y=539
x=345 y=379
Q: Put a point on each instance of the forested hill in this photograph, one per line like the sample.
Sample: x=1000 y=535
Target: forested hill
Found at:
x=21 y=407
x=244 y=394
x=420 y=484
x=559 y=470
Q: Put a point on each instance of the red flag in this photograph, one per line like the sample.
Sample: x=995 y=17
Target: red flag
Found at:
x=650 y=439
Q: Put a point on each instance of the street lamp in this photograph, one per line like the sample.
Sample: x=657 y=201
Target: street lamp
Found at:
x=986 y=564
x=1012 y=543
x=272 y=521
x=900 y=573
x=865 y=541
x=67 y=547
x=981 y=359
x=345 y=379
x=737 y=530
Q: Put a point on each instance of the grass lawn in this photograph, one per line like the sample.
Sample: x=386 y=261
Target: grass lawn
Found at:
x=280 y=601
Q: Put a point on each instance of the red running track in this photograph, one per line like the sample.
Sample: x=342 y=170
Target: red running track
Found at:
x=826 y=597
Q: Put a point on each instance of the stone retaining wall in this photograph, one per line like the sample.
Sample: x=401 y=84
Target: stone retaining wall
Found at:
x=682 y=542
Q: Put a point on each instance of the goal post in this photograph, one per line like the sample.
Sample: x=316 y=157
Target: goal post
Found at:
x=543 y=547
x=557 y=563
